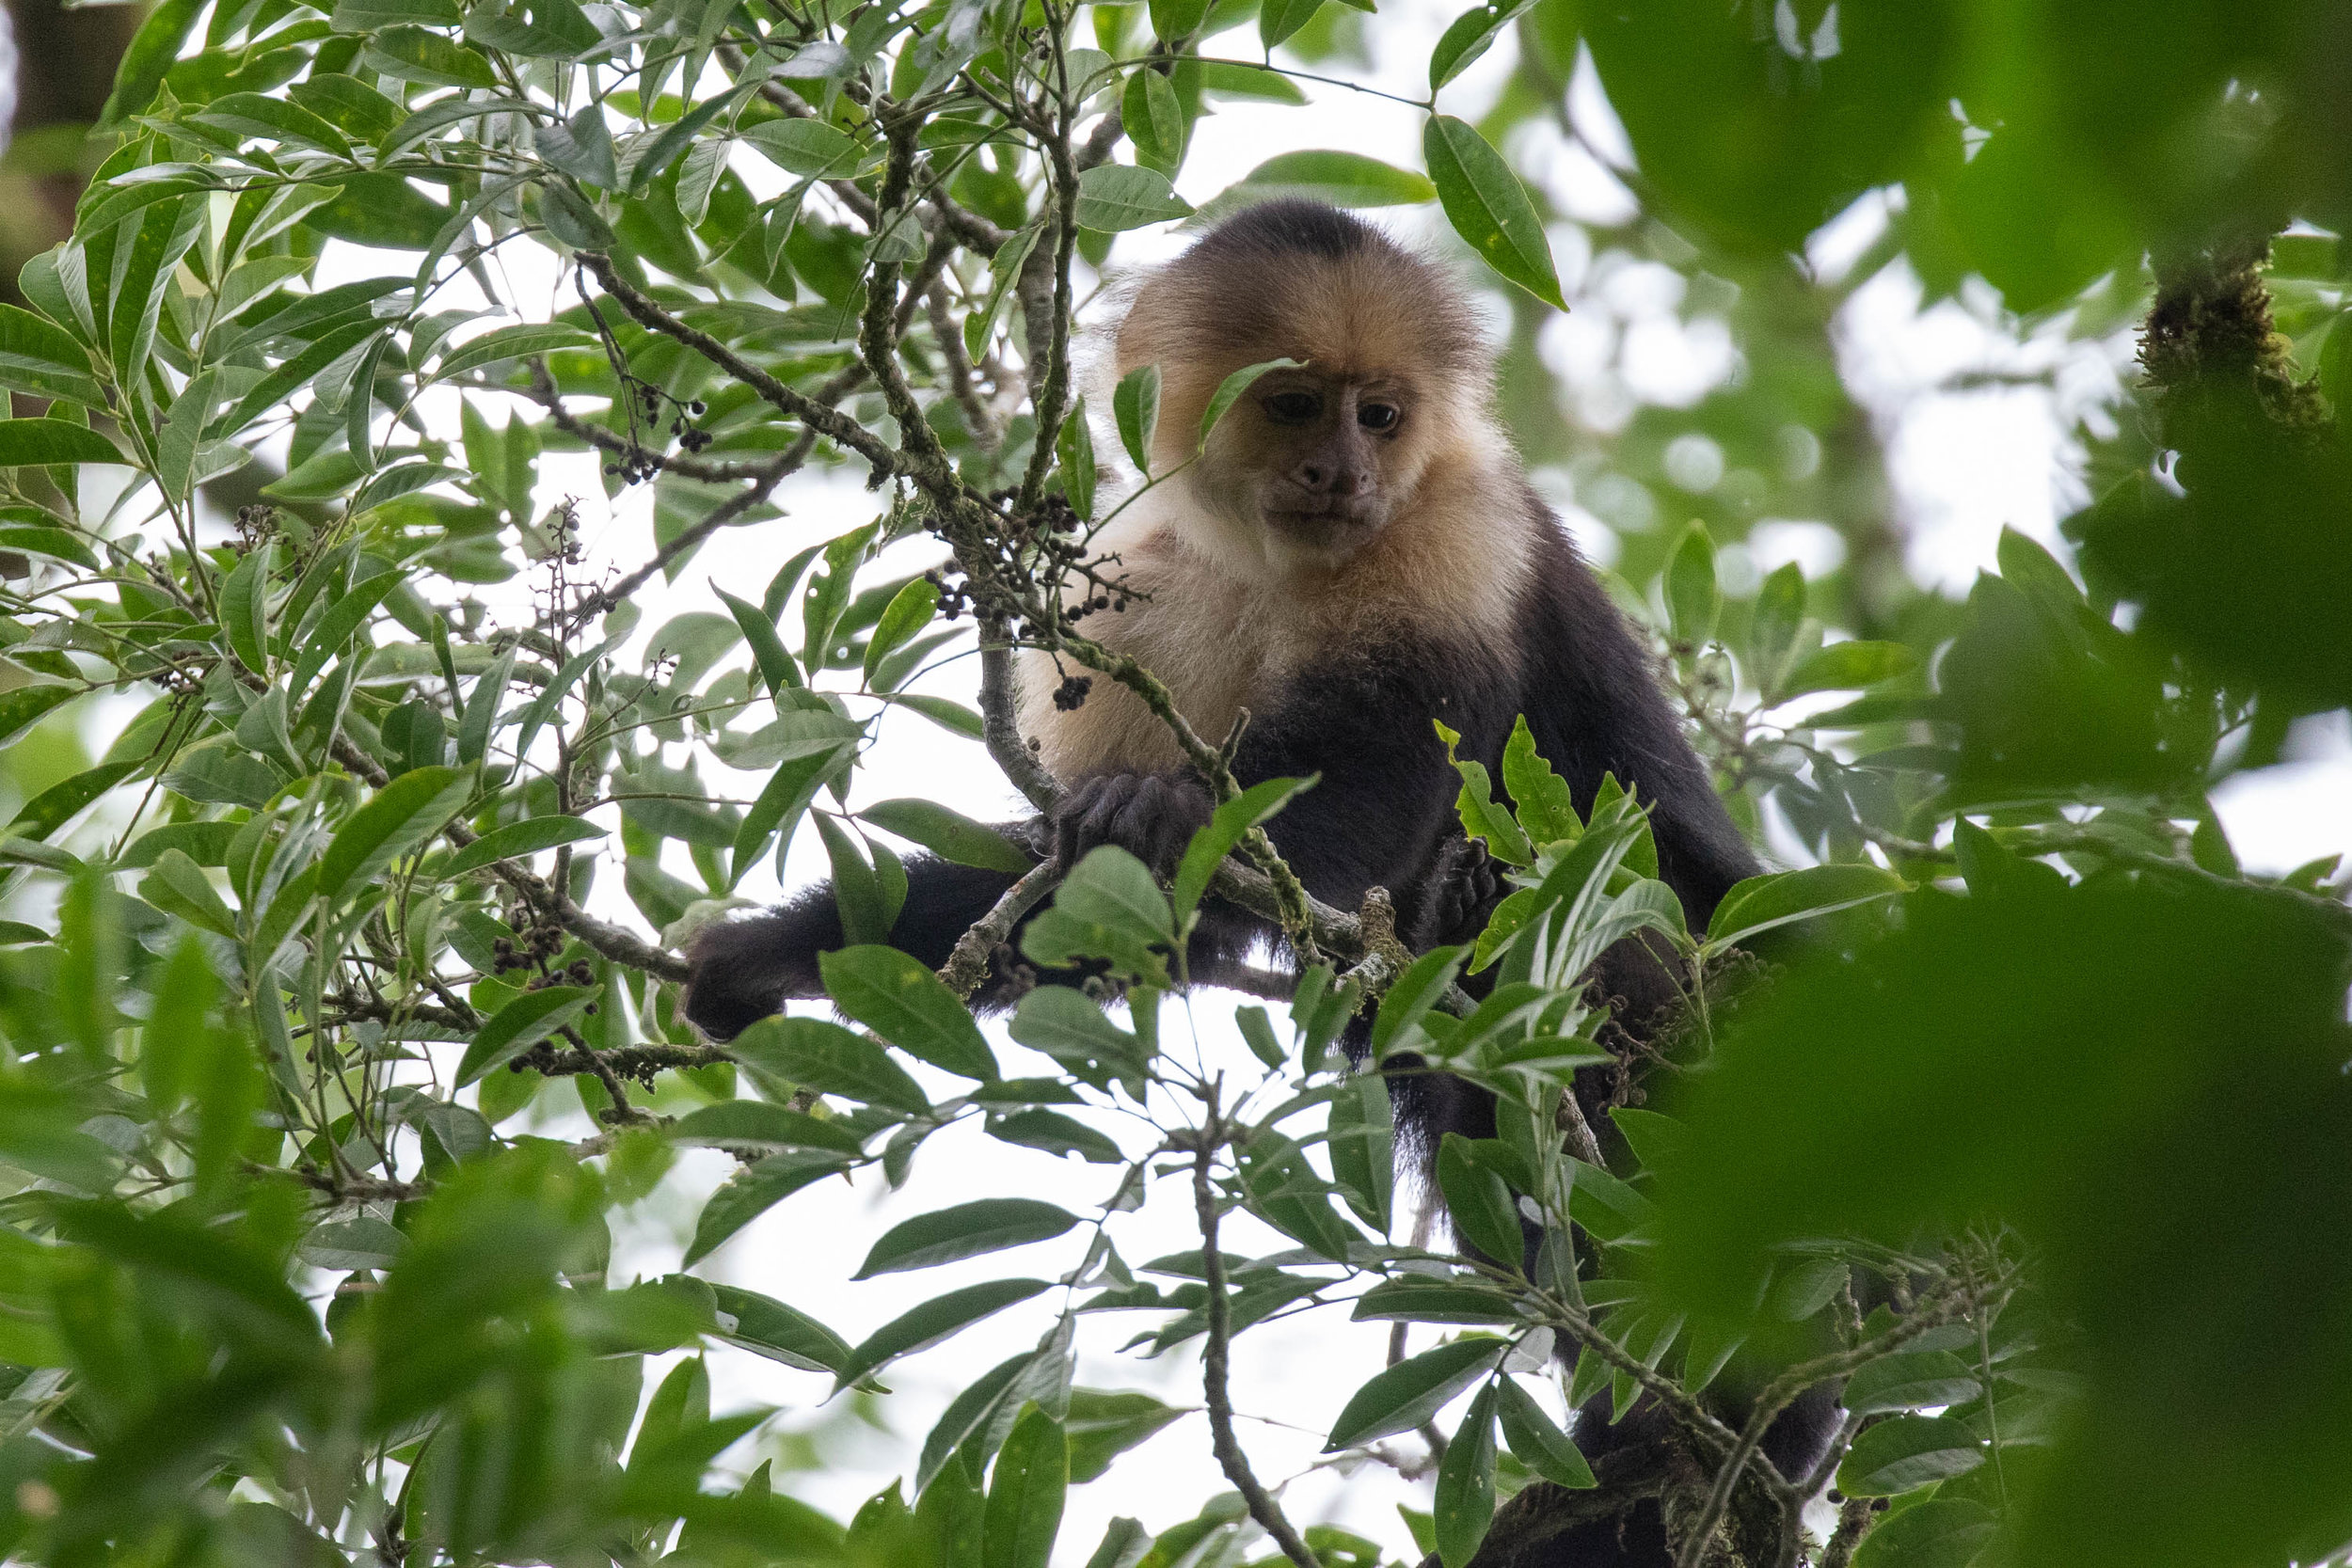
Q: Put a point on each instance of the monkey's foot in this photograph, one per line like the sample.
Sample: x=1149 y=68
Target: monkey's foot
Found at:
x=1463 y=893
x=1151 y=815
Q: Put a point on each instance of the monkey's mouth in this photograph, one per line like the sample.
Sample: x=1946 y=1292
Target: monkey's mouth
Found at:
x=1324 y=520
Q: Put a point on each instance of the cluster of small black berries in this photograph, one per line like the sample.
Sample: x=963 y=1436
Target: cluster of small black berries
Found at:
x=564 y=518
x=255 y=523
x=1085 y=608
x=955 y=598
x=536 y=945
x=638 y=464
x=1070 y=694
x=635 y=468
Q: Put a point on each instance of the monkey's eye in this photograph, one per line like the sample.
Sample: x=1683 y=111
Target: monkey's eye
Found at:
x=1293 y=407
x=1376 y=415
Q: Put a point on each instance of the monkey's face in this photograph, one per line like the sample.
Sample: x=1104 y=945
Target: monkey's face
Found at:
x=1316 y=465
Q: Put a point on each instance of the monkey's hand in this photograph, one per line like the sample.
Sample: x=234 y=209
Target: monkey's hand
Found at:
x=1151 y=815
x=1464 y=889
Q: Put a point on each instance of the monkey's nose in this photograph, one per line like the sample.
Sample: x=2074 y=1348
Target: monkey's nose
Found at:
x=1330 y=479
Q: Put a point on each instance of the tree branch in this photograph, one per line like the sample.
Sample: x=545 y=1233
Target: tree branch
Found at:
x=1215 y=1355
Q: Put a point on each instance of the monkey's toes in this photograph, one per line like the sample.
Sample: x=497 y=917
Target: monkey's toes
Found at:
x=1151 y=815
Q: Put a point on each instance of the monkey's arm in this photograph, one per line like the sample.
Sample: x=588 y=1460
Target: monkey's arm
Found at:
x=743 y=969
x=1595 y=706
x=1384 y=803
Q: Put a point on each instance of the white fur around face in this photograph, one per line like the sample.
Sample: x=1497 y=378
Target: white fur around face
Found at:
x=1227 y=620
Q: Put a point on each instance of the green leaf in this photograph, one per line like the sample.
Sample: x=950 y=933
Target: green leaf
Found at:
x=830 y=1059
x=1172 y=19
x=1536 y=1440
x=1112 y=889
x=246 y=608
x=1773 y=624
x=856 y=891
x=1279 y=19
x=341 y=621
x=1073 y=451
x=179 y=886
x=946 y=712
x=1364 y=1146
x=1026 y=1493
x=53 y=807
x=152 y=50
x=42 y=358
x=1413 y=1391
x=20 y=709
x=506 y=344
x=948 y=834
x=521 y=1025
x=1136 y=405
x=782 y=800
x=1154 y=119
x=674 y=139
x=1470 y=35
x=257 y=115
x=1257 y=1032
x=582 y=146
x=1842 y=665
x=1908 y=1380
x=27 y=443
x=751 y=1193
x=1760 y=903
x=907 y=1004
x=1488 y=207
x=368 y=16
x=1907 y=1453
x=1479 y=1202
x=482 y=707
x=1539 y=796
x=1342 y=179
x=1942 y=1532
x=806 y=146
x=768 y=1129
x=1411 y=995
x=1226 y=827
x=765 y=1326
x=908 y=612
x=530 y=836
x=935 y=1320
x=537 y=29
x=418 y=55
x=1465 y=1504
x=402 y=814
x=1410 y=1298
x=1102 y=1426
x=1229 y=391
x=1058 y=1135
x=965 y=1230
x=1114 y=197
x=1067 y=1025
x=1693 y=600
x=776 y=665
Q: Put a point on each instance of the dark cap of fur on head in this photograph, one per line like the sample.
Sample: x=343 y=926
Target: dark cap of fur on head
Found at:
x=1307 y=280
x=1293 y=226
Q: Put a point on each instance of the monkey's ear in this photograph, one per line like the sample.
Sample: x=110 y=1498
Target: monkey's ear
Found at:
x=743 y=969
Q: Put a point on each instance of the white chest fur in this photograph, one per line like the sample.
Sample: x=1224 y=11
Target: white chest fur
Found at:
x=1224 y=627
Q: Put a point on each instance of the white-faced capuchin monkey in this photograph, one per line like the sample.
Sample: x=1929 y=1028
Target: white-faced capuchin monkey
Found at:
x=1356 y=553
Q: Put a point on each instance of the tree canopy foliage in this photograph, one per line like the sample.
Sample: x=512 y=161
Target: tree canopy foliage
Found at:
x=2024 y=1133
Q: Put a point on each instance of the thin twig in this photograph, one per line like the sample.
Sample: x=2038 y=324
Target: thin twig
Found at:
x=1214 y=1357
